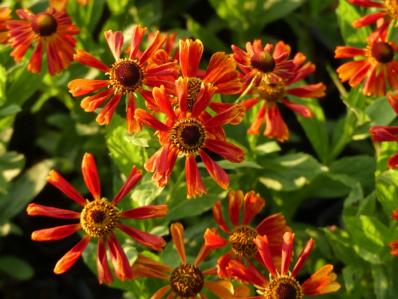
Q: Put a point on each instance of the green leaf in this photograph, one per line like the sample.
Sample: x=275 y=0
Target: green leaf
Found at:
x=289 y=172
x=346 y=14
x=117 y=7
x=147 y=13
x=3 y=80
x=23 y=190
x=209 y=38
x=267 y=148
x=370 y=237
x=9 y=110
x=15 y=267
x=381 y=282
x=387 y=190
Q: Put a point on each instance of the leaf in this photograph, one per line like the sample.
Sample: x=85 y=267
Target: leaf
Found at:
x=267 y=148
x=16 y=267
x=289 y=172
x=23 y=190
x=9 y=110
x=229 y=165
x=370 y=237
x=3 y=80
x=147 y=13
x=209 y=38
x=387 y=190
x=381 y=282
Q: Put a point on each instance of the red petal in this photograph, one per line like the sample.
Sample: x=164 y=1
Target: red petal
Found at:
x=136 y=38
x=119 y=259
x=321 y=282
x=115 y=42
x=104 y=274
x=79 y=87
x=133 y=178
x=226 y=116
x=384 y=133
x=150 y=121
x=287 y=250
x=213 y=240
x=265 y=253
x=215 y=171
x=177 y=234
x=146 y=239
x=308 y=91
x=55 y=233
x=90 y=175
x=225 y=149
x=105 y=116
x=133 y=125
x=235 y=203
x=55 y=179
x=254 y=203
x=195 y=186
x=275 y=126
x=348 y=52
x=86 y=58
x=255 y=127
x=34 y=209
x=34 y=65
x=303 y=257
x=155 y=44
x=218 y=217
x=298 y=108
x=190 y=54
x=146 y=212
x=163 y=101
x=393 y=161
x=368 y=19
x=70 y=258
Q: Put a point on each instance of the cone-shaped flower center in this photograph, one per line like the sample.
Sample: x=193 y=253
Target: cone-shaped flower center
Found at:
x=99 y=217
x=272 y=92
x=382 y=52
x=392 y=8
x=242 y=241
x=284 y=287
x=263 y=62
x=193 y=91
x=126 y=76
x=44 y=24
x=188 y=135
x=186 y=280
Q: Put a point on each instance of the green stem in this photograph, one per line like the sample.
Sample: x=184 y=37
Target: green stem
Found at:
x=244 y=93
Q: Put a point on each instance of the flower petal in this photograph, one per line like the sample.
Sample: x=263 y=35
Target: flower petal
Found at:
x=225 y=149
x=215 y=171
x=104 y=274
x=195 y=186
x=265 y=253
x=303 y=257
x=219 y=218
x=146 y=212
x=213 y=240
x=235 y=203
x=177 y=234
x=221 y=288
x=287 y=250
x=150 y=121
x=86 y=58
x=55 y=179
x=34 y=209
x=133 y=178
x=119 y=259
x=146 y=239
x=55 y=233
x=115 y=42
x=70 y=258
x=254 y=203
x=90 y=175
x=321 y=282
x=79 y=87
x=190 y=54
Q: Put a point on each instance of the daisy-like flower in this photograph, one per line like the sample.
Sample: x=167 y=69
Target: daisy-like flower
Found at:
x=375 y=66
x=51 y=31
x=277 y=91
x=264 y=63
x=221 y=71
x=283 y=284
x=190 y=134
x=186 y=281
x=394 y=244
x=386 y=10
x=98 y=220
x=5 y=15
x=129 y=76
x=241 y=235
x=389 y=134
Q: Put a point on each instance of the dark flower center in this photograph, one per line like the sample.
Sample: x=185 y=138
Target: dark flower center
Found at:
x=193 y=91
x=188 y=135
x=99 y=217
x=271 y=92
x=186 y=280
x=126 y=75
x=382 y=52
x=44 y=24
x=263 y=62
x=284 y=287
x=242 y=241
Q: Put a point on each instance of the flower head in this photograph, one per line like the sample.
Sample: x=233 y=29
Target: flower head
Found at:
x=283 y=284
x=187 y=280
x=240 y=234
x=135 y=74
x=190 y=134
x=51 y=31
x=98 y=219
x=375 y=66
x=277 y=91
x=388 y=134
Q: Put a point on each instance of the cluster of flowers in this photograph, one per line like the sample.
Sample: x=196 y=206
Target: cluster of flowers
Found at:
x=377 y=68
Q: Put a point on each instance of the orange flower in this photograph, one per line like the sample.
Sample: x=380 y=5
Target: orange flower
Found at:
x=387 y=10
x=5 y=15
x=51 y=31
x=276 y=92
x=190 y=134
x=386 y=133
x=283 y=283
x=98 y=219
x=264 y=63
x=376 y=66
x=186 y=280
x=127 y=76
x=241 y=235
x=394 y=244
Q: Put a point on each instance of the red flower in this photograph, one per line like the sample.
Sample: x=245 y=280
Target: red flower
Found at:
x=241 y=236
x=186 y=280
x=5 y=15
x=190 y=134
x=284 y=282
x=98 y=219
x=129 y=76
x=376 y=66
x=277 y=91
x=386 y=133
x=51 y=31
x=387 y=10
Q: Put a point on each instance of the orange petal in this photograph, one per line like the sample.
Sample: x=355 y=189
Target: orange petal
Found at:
x=254 y=203
x=70 y=258
x=115 y=42
x=86 y=58
x=321 y=282
x=133 y=178
x=287 y=250
x=79 y=87
x=55 y=233
x=303 y=257
x=275 y=126
x=90 y=175
x=225 y=149
x=218 y=217
x=190 y=54
x=195 y=186
x=55 y=179
x=136 y=38
x=34 y=209
x=235 y=203
x=177 y=234
x=104 y=274
x=221 y=288
x=215 y=171
x=119 y=259
x=213 y=239
x=149 y=240
x=265 y=253
x=145 y=212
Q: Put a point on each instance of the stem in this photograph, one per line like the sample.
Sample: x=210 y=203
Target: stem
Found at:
x=244 y=93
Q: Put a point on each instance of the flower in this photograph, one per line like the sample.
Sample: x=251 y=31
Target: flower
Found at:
x=386 y=133
x=264 y=63
x=386 y=10
x=98 y=219
x=275 y=92
x=51 y=31
x=375 y=66
x=127 y=76
x=221 y=71
x=394 y=244
x=186 y=280
x=5 y=15
x=190 y=134
x=283 y=284
x=241 y=236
